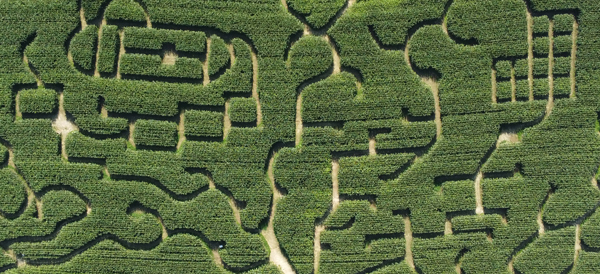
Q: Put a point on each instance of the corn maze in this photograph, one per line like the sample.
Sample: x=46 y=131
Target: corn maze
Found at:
x=300 y=136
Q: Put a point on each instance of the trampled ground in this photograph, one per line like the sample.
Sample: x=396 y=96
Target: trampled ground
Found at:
x=299 y=136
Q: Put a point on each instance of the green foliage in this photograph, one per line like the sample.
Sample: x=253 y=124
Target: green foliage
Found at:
x=37 y=101
x=563 y=22
x=155 y=133
x=108 y=49
x=563 y=44
x=504 y=68
x=83 y=47
x=145 y=38
x=13 y=192
x=552 y=252
x=541 y=46
x=562 y=65
x=111 y=208
x=242 y=110
x=541 y=25
x=203 y=123
x=125 y=10
x=317 y=12
x=219 y=55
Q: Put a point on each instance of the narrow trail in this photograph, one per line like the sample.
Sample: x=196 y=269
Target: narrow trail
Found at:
x=408 y=257
x=448 y=227
x=259 y=117
x=206 y=76
x=181 y=129
x=317 y=246
x=513 y=85
x=577 y=243
x=494 y=86
x=18 y=113
x=335 y=171
x=479 y=194
x=573 y=74
x=131 y=130
x=276 y=256
x=530 y=53
x=100 y=30
x=337 y=67
x=121 y=52
x=372 y=146
x=226 y=120
x=550 y=104
x=62 y=125
x=435 y=89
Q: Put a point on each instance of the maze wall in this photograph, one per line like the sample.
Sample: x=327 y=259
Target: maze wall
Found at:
x=299 y=136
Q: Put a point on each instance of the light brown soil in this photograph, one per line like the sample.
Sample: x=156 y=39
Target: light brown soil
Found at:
x=372 y=146
x=530 y=54
x=577 y=243
x=82 y=18
x=494 y=86
x=255 y=88
x=540 y=222
x=317 y=244
x=550 y=104
x=408 y=257
x=226 y=120
x=169 y=58
x=507 y=137
x=96 y=71
x=63 y=126
x=435 y=89
x=206 y=77
x=236 y=211
x=18 y=113
x=337 y=64
x=131 y=130
x=299 y=125
x=478 y=194
x=121 y=52
x=513 y=85
x=335 y=171
x=448 y=227
x=574 y=60
x=276 y=256
x=181 y=129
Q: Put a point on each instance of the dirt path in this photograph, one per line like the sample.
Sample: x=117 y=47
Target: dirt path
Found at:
x=448 y=227
x=435 y=89
x=181 y=129
x=335 y=171
x=577 y=244
x=255 y=88
x=574 y=60
x=478 y=194
x=372 y=146
x=206 y=76
x=63 y=126
x=131 y=130
x=96 y=71
x=121 y=52
x=226 y=120
x=317 y=245
x=494 y=86
x=550 y=104
x=530 y=53
x=408 y=257
x=276 y=256
x=299 y=125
